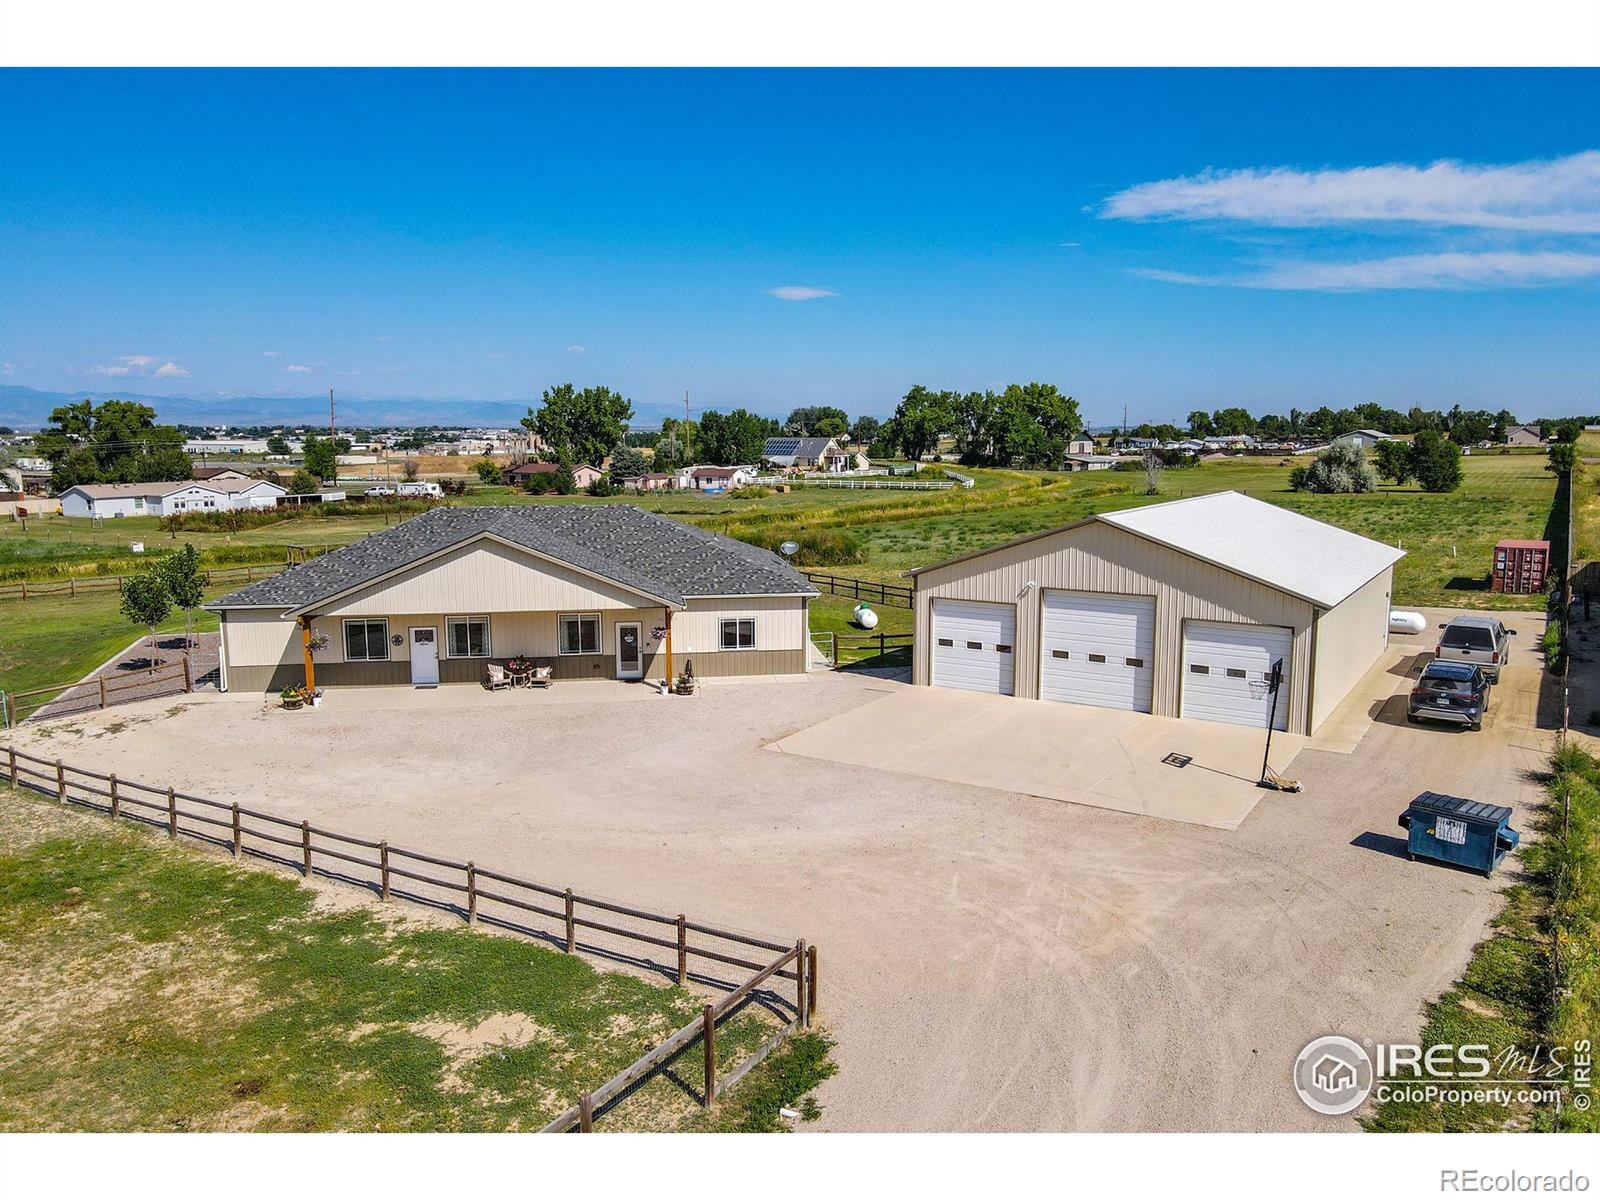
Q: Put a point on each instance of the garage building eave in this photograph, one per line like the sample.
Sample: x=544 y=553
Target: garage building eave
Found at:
x=1308 y=559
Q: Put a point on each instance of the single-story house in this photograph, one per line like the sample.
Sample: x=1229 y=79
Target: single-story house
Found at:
x=1179 y=609
x=703 y=478
x=601 y=592
x=810 y=454
x=582 y=475
x=1081 y=445
x=1523 y=435
x=204 y=473
x=1090 y=462
x=165 y=499
x=650 y=481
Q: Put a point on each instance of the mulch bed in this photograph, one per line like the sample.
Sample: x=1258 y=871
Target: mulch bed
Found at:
x=133 y=664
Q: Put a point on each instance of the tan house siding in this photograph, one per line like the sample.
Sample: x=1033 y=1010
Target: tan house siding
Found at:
x=1349 y=639
x=486 y=577
x=263 y=648
x=1097 y=557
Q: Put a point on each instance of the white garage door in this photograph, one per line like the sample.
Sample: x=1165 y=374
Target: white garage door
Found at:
x=1098 y=649
x=973 y=646
x=1225 y=668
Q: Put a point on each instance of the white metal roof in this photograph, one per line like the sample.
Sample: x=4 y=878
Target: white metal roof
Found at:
x=1304 y=557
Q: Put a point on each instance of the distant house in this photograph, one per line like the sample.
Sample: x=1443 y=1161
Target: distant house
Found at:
x=219 y=473
x=809 y=454
x=582 y=476
x=1523 y=435
x=1365 y=438
x=1090 y=462
x=1081 y=445
x=651 y=481
x=703 y=479
x=169 y=498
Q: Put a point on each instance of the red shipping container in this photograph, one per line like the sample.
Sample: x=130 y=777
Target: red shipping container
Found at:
x=1520 y=565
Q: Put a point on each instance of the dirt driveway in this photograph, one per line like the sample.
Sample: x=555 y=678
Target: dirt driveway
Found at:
x=989 y=960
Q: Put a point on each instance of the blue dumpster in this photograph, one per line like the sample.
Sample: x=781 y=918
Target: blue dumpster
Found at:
x=1461 y=832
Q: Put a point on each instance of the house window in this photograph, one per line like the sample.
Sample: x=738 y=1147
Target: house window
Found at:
x=468 y=637
x=366 y=641
x=739 y=633
x=580 y=633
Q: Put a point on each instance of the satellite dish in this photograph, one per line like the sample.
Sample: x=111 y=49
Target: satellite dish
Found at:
x=788 y=549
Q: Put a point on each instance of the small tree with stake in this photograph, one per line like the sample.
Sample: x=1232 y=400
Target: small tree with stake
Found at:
x=186 y=585
x=146 y=601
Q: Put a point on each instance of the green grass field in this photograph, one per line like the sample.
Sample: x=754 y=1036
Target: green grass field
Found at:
x=152 y=986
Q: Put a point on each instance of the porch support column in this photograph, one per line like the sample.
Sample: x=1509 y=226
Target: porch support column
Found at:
x=668 y=611
x=305 y=642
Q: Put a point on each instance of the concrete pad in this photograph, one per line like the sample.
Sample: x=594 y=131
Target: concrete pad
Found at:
x=1069 y=752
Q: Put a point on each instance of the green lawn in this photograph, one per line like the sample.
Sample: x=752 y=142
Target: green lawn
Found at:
x=59 y=640
x=152 y=986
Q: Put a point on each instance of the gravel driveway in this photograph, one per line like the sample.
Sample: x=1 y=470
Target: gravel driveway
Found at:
x=988 y=960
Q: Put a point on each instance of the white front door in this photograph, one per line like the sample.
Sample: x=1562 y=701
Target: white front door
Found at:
x=972 y=646
x=630 y=654
x=1098 y=649
x=1226 y=669
x=424 y=656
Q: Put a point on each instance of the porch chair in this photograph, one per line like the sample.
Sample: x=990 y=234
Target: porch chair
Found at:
x=496 y=678
x=542 y=675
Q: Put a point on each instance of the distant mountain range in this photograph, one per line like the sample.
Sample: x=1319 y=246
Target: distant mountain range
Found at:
x=29 y=408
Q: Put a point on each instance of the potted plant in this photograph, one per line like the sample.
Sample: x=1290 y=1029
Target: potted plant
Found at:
x=291 y=697
x=685 y=684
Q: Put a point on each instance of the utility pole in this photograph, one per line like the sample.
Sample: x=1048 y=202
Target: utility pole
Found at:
x=1124 y=420
x=330 y=414
x=687 y=456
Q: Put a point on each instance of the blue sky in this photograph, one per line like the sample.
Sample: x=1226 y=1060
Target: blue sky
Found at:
x=1163 y=240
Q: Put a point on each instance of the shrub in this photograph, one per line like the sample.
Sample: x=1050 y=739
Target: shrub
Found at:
x=489 y=472
x=752 y=493
x=1342 y=467
x=304 y=483
x=602 y=487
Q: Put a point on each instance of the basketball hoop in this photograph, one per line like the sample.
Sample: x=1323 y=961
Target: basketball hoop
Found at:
x=1260 y=689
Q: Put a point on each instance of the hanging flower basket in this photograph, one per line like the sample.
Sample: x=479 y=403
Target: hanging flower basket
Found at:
x=658 y=634
x=317 y=641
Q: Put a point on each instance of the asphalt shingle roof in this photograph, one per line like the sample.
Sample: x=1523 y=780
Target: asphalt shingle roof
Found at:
x=639 y=550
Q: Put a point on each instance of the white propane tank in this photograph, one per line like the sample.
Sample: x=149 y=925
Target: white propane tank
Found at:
x=1402 y=621
x=865 y=617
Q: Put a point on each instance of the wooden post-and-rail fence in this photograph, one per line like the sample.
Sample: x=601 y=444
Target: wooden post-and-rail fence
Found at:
x=180 y=673
x=896 y=594
x=45 y=589
x=480 y=896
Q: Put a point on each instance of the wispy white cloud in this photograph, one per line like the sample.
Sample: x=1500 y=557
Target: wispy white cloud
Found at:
x=497 y=354
x=800 y=293
x=271 y=353
x=1451 y=271
x=383 y=337
x=8 y=368
x=114 y=371
x=1554 y=196
x=577 y=349
x=137 y=360
x=298 y=369
x=171 y=370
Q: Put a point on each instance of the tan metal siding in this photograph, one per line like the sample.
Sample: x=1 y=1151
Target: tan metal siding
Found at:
x=780 y=623
x=1349 y=639
x=486 y=577
x=1101 y=558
